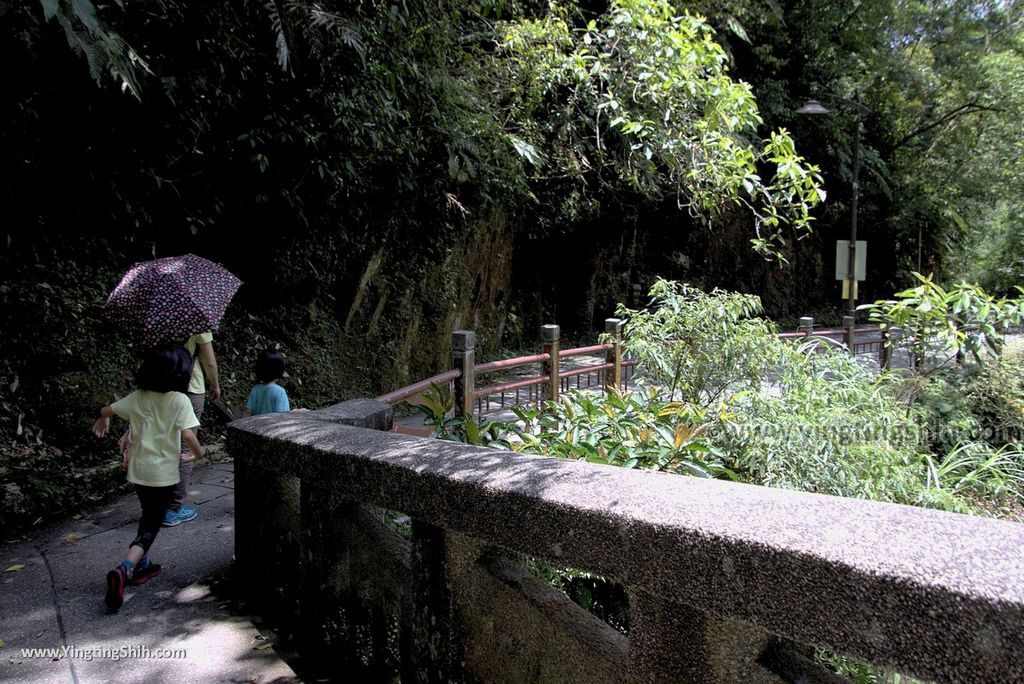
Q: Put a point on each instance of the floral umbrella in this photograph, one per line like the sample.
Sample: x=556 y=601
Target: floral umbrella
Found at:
x=169 y=300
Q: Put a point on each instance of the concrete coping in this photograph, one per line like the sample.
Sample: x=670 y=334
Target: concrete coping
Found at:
x=463 y=340
x=613 y=326
x=928 y=593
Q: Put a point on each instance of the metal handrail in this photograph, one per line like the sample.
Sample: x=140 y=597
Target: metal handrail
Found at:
x=422 y=386
x=505 y=364
x=509 y=386
x=580 y=351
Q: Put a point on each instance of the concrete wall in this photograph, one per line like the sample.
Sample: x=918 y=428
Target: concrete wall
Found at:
x=723 y=579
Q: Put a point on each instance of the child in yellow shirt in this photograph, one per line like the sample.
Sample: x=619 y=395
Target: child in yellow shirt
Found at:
x=161 y=417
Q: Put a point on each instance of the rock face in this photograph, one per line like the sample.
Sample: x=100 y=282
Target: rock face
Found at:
x=409 y=303
x=12 y=504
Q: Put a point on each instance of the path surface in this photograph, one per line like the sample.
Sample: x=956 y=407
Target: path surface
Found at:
x=51 y=597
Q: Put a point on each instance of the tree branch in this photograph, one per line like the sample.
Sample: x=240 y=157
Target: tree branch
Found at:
x=962 y=110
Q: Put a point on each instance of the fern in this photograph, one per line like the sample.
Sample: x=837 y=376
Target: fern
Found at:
x=281 y=37
x=317 y=25
x=104 y=51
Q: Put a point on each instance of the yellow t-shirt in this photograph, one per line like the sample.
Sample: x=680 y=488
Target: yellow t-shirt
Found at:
x=197 y=385
x=157 y=419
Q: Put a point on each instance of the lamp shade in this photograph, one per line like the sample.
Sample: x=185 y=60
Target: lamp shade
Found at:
x=813 y=107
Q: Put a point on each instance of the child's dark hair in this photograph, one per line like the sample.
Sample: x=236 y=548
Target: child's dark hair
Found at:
x=269 y=366
x=165 y=369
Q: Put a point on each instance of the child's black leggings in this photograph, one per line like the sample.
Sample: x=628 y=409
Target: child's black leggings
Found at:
x=154 y=502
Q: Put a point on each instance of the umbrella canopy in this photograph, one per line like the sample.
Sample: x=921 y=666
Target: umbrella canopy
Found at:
x=169 y=300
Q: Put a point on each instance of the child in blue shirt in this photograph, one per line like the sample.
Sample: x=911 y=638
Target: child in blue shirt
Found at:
x=267 y=396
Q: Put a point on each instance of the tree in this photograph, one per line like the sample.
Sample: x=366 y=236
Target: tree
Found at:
x=642 y=97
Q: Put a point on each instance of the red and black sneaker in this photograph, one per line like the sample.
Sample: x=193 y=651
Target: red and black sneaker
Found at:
x=145 y=574
x=116 y=580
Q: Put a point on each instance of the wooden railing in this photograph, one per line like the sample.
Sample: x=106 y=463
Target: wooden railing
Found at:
x=858 y=340
x=555 y=376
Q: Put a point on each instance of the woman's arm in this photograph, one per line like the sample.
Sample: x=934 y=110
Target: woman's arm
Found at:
x=209 y=361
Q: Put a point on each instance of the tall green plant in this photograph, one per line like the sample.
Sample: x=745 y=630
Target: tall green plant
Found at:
x=933 y=318
x=699 y=347
x=828 y=425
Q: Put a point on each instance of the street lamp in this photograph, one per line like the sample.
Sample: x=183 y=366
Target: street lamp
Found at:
x=815 y=107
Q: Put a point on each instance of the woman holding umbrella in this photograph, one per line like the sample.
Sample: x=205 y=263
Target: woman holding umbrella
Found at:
x=167 y=301
x=201 y=348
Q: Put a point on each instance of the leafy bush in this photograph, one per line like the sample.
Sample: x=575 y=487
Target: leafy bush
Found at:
x=996 y=398
x=932 y=318
x=699 y=346
x=827 y=425
x=596 y=594
x=635 y=430
x=642 y=97
x=973 y=403
x=975 y=469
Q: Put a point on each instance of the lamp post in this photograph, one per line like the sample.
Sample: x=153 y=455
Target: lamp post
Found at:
x=815 y=107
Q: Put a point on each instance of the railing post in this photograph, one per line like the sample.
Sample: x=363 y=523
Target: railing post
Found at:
x=716 y=649
x=549 y=336
x=892 y=336
x=848 y=323
x=807 y=325
x=886 y=352
x=463 y=358
x=436 y=648
x=960 y=355
x=325 y=553
x=613 y=375
x=268 y=535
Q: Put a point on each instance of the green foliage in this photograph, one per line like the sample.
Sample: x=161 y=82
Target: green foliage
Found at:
x=977 y=470
x=103 y=49
x=862 y=673
x=957 y=145
x=827 y=425
x=933 y=318
x=642 y=96
x=595 y=594
x=996 y=398
x=941 y=149
x=804 y=417
x=994 y=255
x=634 y=430
x=437 y=411
x=699 y=346
x=973 y=403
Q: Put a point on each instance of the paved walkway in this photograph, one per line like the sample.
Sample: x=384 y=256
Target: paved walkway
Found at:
x=51 y=597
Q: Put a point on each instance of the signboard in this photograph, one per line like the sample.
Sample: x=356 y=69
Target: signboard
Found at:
x=843 y=259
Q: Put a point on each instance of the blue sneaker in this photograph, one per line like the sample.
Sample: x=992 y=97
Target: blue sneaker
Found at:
x=172 y=518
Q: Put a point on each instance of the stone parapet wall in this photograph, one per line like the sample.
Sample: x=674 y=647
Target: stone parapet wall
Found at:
x=722 y=577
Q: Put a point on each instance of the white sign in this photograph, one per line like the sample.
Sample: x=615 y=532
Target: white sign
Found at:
x=843 y=259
